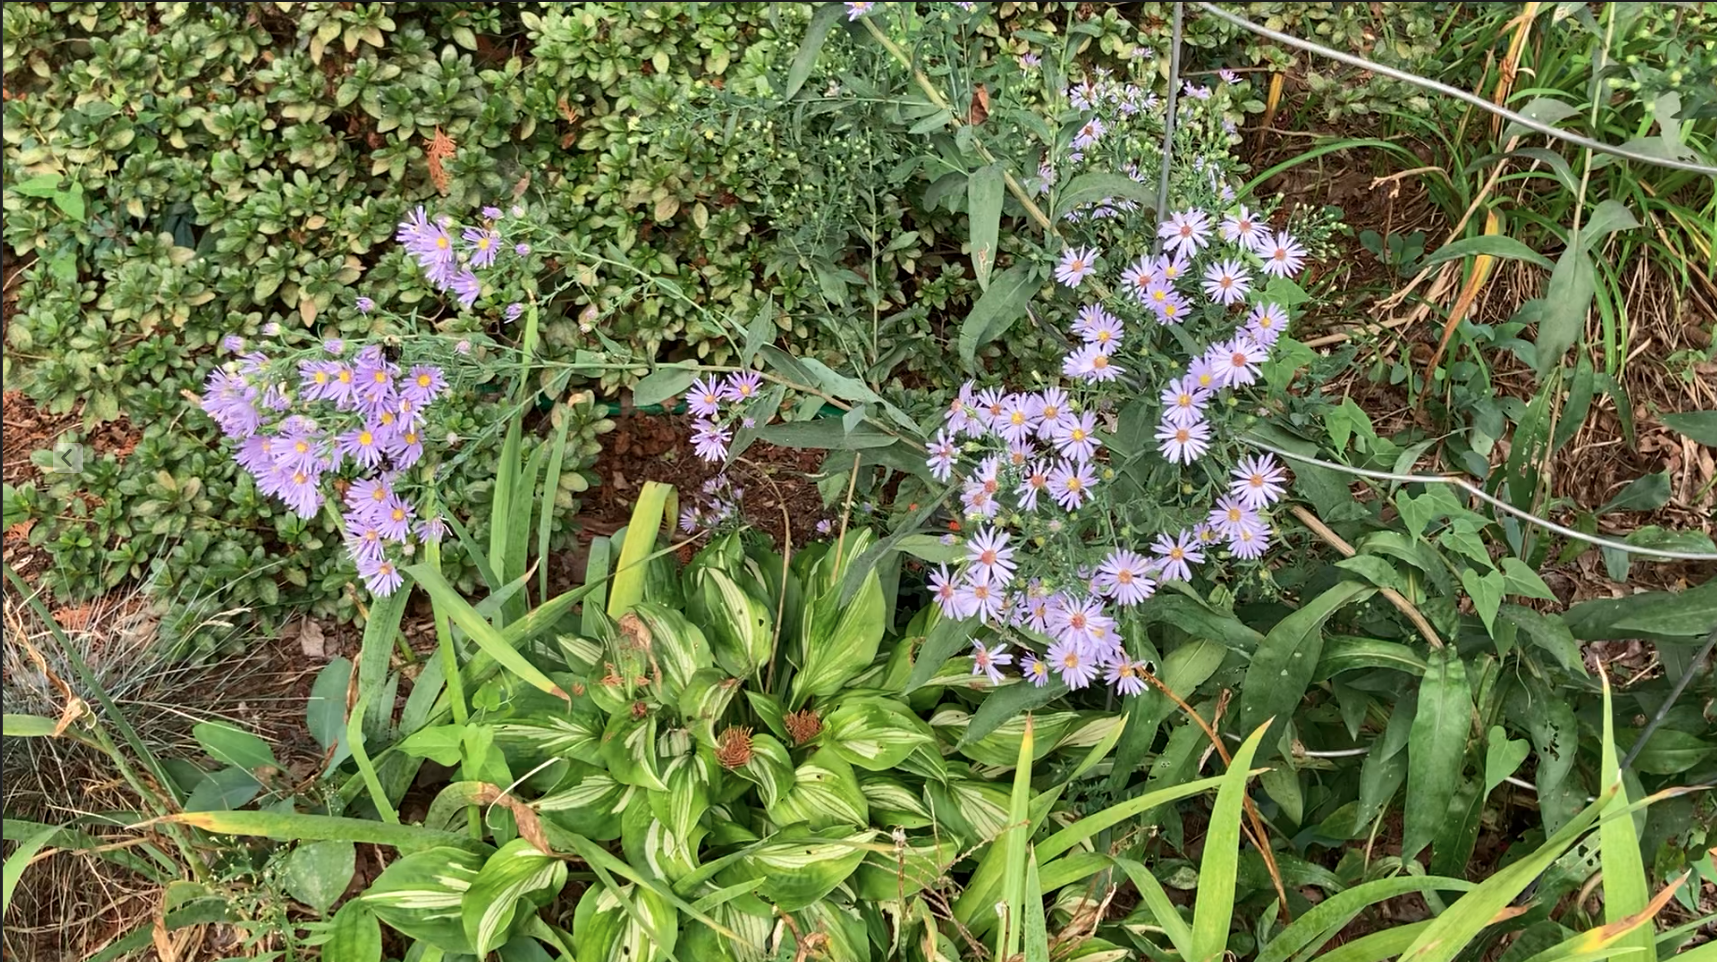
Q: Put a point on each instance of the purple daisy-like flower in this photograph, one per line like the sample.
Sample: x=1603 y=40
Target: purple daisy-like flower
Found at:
x=1035 y=670
x=1082 y=96
x=691 y=519
x=710 y=440
x=1173 y=309
x=366 y=496
x=316 y=379
x=1077 y=263
x=1185 y=232
x=704 y=399
x=988 y=408
x=1126 y=577
x=1249 y=544
x=1050 y=407
x=364 y=541
x=300 y=449
x=1033 y=481
x=1177 y=555
x=982 y=598
x=943 y=452
x=381 y=577
x=1070 y=484
x=859 y=8
x=1227 y=282
x=1241 y=227
x=1237 y=361
x=513 y=312
x=992 y=560
x=978 y=502
x=423 y=385
x=1020 y=453
x=467 y=286
x=255 y=454
x=1016 y=424
x=1283 y=256
x=1259 y=481
x=363 y=446
x=483 y=243
x=463 y=347
x=1195 y=91
x=432 y=530
x=1183 y=443
x=1097 y=326
x=1267 y=324
x=742 y=386
x=301 y=490
x=1139 y=277
x=334 y=346
x=1076 y=668
x=1091 y=363
x=522 y=249
x=231 y=401
x=491 y=213
x=989 y=662
x=1172 y=267
x=1076 y=439
x=405 y=447
x=1228 y=76
x=960 y=416
x=1030 y=61
x=825 y=527
x=1232 y=515
x=394 y=519
x=365 y=304
x=1183 y=401
x=1089 y=134
x=232 y=344
x=945 y=588
x=426 y=240
x=1124 y=675
x=1201 y=373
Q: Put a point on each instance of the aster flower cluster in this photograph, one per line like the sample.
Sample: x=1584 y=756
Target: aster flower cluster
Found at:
x=451 y=263
x=718 y=405
x=1046 y=562
x=718 y=505
x=354 y=424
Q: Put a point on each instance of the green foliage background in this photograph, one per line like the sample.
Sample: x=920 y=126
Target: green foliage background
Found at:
x=176 y=172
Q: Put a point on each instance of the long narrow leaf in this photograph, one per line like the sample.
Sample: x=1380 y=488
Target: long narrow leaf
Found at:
x=627 y=588
x=551 y=489
x=1115 y=814
x=486 y=637
x=355 y=742
x=596 y=579
x=1328 y=917
x=19 y=860
x=1626 y=890
x=380 y=631
x=1019 y=824
x=1378 y=945
x=292 y=827
x=1214 y=913
x=501 y=506
x=1036 y=926
x=1157 y=900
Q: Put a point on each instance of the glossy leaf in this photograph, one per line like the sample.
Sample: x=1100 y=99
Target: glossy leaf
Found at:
x=231 y=745
x=1567 y=299
x=824 y=794
x=875 y=734
x=1626 y=885
x=1701 y=426
x=1503 y=756
x=1286 y=661
x=517 y=871
x=629 y=750
x=1493 y=245
x=1094 y=186
x=801 y=867
x=805 y=59
x=422 y=895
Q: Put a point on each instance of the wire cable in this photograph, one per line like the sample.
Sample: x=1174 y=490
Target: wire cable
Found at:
x=1487 y=497
x=1462 y=95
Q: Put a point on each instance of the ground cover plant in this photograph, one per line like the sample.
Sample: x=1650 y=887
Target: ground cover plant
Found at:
x=1123 y=629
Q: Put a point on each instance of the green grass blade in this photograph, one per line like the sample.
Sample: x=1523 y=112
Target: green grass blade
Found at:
x=501 y=508
x=1450 y=933
x=627 y=588
x=1328 y=917
x=1330 y=148
x=596 y=579
x=13 y=869
x=1019 y=826
x=1378 y=945
x=355 y=741
x=484 y=635
x=1626 y=890
x=1213 y=916
x=28 y=726
x=292 y=827
x=525 y=503
x=1092 y=824
x=476 y=554
x=551 y=488
x=380 y=630
x=1036 y=926
x=1156 y=898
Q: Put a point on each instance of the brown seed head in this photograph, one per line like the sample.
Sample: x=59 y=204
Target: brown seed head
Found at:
x=733 y=747
x=802 y=725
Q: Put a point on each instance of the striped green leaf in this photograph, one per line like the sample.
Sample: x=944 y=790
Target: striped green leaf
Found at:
x=801 y=867
x=629 y=749
x=588 y=801
x=1214 y=913
x=355 y=936
x=604 y=931
x=422 y=895
x=875 y=734
x=517 y=874
x=824 y=794
x=740 y=621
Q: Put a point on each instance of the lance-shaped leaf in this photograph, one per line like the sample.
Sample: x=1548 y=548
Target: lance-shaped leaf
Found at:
x=422 y=896
x=1287 y=659
x=519 y=871
x=801 y=867
x=629 y=749
x=604 y=931
x=824 y=794
x=589 y=802
x=740 y=622
x=875 y=734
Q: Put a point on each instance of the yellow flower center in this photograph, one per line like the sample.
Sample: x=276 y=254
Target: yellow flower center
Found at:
x=1078 y=434
x=1177 y=553
x=1018 y=417
x=424 y=380
x=1183 y=400
x=399 y=514
x=1100 y=362
x=1050 y=413
x=321 y=377
x=1074 y=484
x=441 y=242
x=1234 y=514
x=345 y=377
x=1124 y=577
x=1077 y=265
x=366 y=439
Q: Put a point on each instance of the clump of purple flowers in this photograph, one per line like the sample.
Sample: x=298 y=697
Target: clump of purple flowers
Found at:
x=1046 y=563
x=450 y=256
x=719 y=504
x=339 y=424
x=719 y=404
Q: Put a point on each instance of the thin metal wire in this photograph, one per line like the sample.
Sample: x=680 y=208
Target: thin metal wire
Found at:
x=1490 y=499
x=1674 y=693
x=1457 y=93
x=1169 y=123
